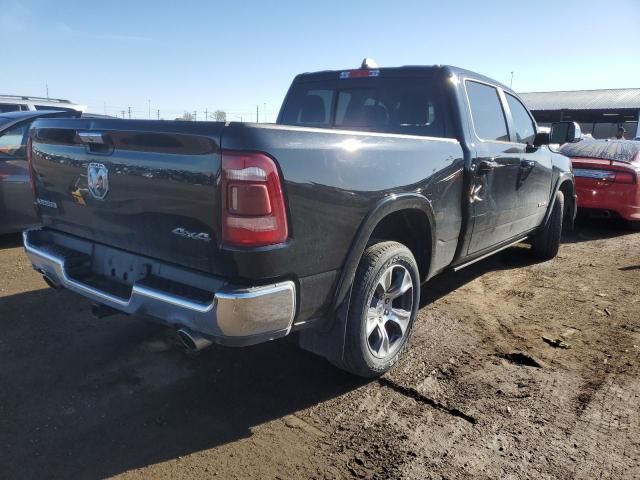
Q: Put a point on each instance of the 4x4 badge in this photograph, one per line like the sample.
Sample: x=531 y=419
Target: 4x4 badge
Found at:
x=98 y=180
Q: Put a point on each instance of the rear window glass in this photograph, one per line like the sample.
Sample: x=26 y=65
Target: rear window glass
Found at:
x=621 y=151
x=310 y=107
x=378 y=105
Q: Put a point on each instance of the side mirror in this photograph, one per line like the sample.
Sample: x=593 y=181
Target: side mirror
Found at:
x=541 y=138
x=565 y=132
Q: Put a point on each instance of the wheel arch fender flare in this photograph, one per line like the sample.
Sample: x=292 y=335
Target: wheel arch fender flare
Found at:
x=563 y=178
x=384 y=207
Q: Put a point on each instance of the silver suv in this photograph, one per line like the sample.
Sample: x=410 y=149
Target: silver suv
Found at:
x=17 y=103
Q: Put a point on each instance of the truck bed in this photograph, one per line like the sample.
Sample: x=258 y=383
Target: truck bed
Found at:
x=164 y=178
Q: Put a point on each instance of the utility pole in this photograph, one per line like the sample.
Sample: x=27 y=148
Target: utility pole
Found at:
x=47 y=88
x=122 y=112
x=149 y=108
x=129 y=108
x=257 y=119
x=511 y=82
x=206 y=114
x=195 y=115
x=158 y=114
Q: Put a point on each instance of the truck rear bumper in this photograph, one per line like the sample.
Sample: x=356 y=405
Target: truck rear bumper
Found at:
x=226 y=314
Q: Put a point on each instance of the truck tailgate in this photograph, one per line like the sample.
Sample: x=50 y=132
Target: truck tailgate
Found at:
x=142 y=186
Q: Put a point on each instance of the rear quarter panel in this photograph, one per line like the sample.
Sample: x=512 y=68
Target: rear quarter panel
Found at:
x=332 y=179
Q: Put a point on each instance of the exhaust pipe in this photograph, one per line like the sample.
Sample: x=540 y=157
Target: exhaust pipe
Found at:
x=192 y=341
x=100 y=311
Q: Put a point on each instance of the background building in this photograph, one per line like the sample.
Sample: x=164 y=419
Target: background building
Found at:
x=599 y=112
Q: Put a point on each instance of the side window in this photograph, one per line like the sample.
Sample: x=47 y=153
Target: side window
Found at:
x=486 y=112
x=524 y=127
x=13 y=141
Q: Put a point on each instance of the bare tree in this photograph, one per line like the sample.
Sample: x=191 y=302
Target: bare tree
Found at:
x=220 y=116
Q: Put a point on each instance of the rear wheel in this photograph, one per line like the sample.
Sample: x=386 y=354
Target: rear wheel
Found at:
x=386 y=293
x=546 y=243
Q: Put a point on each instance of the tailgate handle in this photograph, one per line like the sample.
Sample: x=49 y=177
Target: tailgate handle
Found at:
x=91 y=138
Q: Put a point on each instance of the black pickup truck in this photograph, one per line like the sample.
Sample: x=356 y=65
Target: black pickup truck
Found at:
x=326 y=224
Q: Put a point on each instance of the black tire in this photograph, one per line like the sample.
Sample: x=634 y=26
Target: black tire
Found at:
x=546 y=243
x=381 y=263
x=634 y=226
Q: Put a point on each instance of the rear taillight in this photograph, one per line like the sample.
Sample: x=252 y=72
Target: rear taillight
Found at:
x=624 y=177
x=253 y=209
x=32 y=179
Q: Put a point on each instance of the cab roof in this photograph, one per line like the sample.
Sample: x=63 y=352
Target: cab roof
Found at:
x=403 y=71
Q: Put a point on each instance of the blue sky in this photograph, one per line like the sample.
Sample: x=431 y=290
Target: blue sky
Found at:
x=189 y=55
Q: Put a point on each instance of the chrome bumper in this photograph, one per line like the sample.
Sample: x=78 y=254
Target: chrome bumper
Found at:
x=235 y=315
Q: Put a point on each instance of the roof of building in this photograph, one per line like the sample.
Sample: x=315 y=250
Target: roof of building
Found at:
x=610 y=99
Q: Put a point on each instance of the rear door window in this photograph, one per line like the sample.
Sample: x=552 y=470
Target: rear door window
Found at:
x=487 y=115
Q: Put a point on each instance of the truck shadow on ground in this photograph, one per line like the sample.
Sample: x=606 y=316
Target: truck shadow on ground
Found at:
x=586 y=229
x=512 y=258
x=10 y=240
x=86 y=398
x=91 y=398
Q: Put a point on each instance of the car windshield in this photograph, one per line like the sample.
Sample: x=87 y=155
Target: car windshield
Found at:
x=621 y=151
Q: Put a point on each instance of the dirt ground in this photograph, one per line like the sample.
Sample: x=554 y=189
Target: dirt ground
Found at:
x=479 y=394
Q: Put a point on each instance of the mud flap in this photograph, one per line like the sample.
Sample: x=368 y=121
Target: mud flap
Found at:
x=329 y=343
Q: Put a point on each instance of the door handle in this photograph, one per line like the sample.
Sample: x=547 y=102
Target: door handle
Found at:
x=527 y=163
x=485 y=166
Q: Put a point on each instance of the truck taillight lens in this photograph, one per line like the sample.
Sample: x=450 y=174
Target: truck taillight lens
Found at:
x=32 y=179
x=253 y=209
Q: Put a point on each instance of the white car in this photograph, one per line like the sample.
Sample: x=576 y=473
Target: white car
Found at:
x=17 y=103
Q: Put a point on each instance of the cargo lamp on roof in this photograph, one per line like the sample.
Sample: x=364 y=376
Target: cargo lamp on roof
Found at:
x=369 y=63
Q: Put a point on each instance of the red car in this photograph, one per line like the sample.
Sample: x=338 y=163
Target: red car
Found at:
x=607 y=177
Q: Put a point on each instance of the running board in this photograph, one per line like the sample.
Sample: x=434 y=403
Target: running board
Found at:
x=460 y=267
